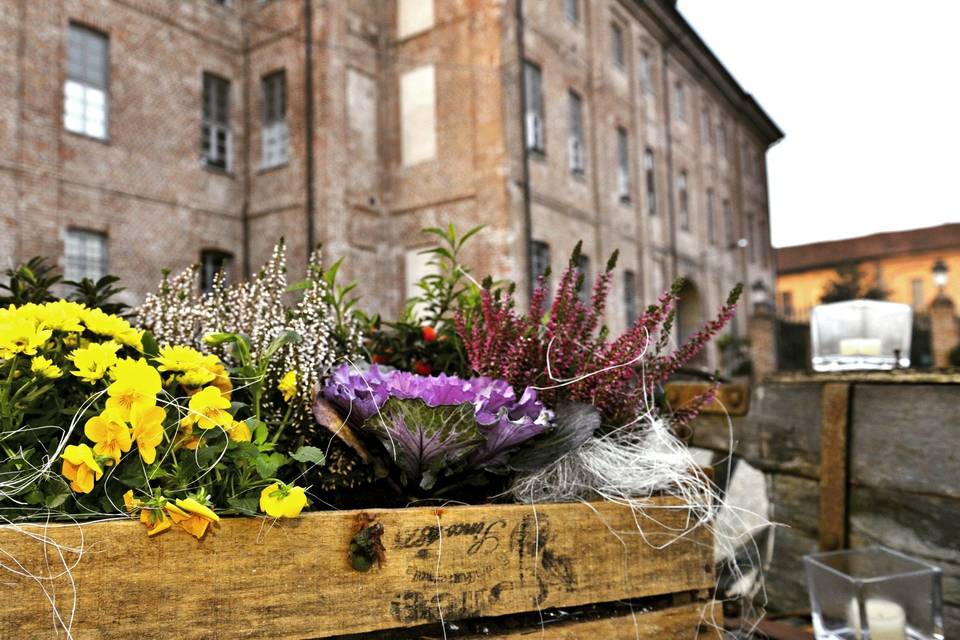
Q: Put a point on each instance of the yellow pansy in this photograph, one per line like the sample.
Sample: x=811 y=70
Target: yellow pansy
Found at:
x=153 y=518
x=279 y=500
x=192 y=516
x=186 y=439
x=221 y=378
x=208 y=409
x=110 y=433
x=136 y=383
x=93 y=360
x=45 y=368
x=288 y=385
x=111 y=326
x=61 y=315
x=239 y=431
x=80 y=467
x=147 y=423
x=21 y=335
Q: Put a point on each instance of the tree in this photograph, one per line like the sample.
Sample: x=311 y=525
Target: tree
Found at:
x=851 y=284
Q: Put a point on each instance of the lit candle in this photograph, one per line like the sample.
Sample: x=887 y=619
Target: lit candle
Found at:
x=860 y=347
x=885 y=620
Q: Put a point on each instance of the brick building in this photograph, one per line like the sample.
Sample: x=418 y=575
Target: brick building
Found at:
x=140 y=134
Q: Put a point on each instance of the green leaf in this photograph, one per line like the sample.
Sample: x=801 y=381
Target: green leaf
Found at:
x=244 y=451
x=267 y=465
x=245 y=506
x=309 y=454
x=259 y=430
x=150 y=346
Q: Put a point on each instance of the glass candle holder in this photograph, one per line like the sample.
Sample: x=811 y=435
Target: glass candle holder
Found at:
x=874 y=594
x=860 y=334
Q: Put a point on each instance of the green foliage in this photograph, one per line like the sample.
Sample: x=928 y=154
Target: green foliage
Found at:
x=97 y=295
x=850 y=284
x=31 y=282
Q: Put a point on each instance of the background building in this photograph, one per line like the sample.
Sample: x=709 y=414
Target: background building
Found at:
x=143 y=134
x=901 y=263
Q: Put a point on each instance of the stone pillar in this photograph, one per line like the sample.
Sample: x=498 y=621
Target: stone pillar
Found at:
x=943 y=330
x=762 y=331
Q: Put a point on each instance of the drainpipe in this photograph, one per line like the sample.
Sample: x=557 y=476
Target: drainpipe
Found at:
x=247 y=127
x=308 y=119
x=527 y=198
x=668 y=112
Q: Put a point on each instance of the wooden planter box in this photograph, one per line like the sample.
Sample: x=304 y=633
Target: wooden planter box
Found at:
x=293 y=579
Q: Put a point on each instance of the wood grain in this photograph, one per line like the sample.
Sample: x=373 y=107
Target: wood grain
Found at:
x=293 y=580
x=732 y=399
x=834 y=432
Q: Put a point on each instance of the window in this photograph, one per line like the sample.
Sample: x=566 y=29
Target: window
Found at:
x=414 y=16
x=786 y=304
x=616 y=45
x=646 y=73
x=540 y=263
x=85 y=89
x=212 y=262
x=751 y=240
x=276 y=137
x=650 y=177
x=731 y=232
x=681 y=101
x=916 y=290
x=684 y=197
x=583 y=268
x=630 y=296
x=533 y=95
x=706 y=128
x=572 y=10
x=711 y=221
x=85 y=255
x=722 y=140
x=577 y=162
x=215 y=134
x=623 y=165
x=418 y=115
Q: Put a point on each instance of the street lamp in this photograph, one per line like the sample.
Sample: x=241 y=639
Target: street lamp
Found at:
x=940 y=271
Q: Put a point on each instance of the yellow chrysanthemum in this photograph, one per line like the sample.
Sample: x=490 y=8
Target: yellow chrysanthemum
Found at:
x=208 y=409
x=179 y=359
x=111 y=326
x=45 y=368
x=147 y=423
x=110 y=433
x=93 y=360
x=61 y=315
x=80 y=468
x=136 y=383
x=288 y=385
x=279 y=500
x=21 y=335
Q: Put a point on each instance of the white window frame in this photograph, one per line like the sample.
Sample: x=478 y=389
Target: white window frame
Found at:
x=534 y=103
x=214 y=129
x=575 y=142
x=646 y=72
x=86 y=104
x=623 y=165
x=650 y=179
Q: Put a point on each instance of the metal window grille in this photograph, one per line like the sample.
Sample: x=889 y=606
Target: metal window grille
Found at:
x=215 y=133
x=84 y=255
x=85 y=89
x=275 y=142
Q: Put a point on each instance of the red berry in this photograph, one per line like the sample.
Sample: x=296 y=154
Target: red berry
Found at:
x=378 y=359
x=429 y=334
x=422 y=368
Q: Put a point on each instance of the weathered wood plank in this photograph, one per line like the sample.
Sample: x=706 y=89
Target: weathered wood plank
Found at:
x=700 y=621
x=897 y=376
x=795 y=506
x=732 y=399
x=834 y=431
x=907 y=437
x=293 y=580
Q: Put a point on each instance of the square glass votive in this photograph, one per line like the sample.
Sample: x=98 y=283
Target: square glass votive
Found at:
x=860 y=334
x=874 y=594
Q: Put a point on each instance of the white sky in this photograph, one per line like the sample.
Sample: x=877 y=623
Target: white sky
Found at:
x=868 y=94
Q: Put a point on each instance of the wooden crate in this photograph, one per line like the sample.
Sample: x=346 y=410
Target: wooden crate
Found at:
x=293 y=579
